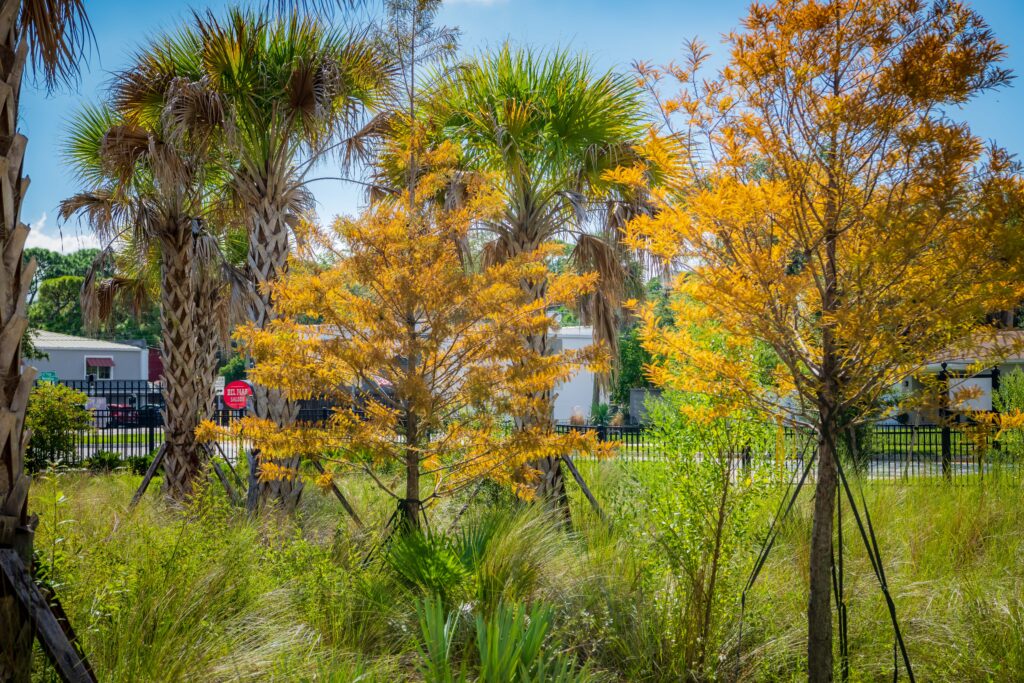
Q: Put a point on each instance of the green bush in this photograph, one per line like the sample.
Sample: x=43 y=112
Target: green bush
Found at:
x=699 y=510
x=105 y=461
x=428 y=562
x=56 y=416
x=139 y=464
x=1009 y=399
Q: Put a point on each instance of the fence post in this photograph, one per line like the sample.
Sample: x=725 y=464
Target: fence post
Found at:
x=151 y=435
x=996 y=377
x=944 y=417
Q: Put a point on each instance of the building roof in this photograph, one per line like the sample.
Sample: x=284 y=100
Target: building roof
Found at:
x=45 y=340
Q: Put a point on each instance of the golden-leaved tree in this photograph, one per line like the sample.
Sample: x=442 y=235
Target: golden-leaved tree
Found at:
x=827 y=207
x=424 y=359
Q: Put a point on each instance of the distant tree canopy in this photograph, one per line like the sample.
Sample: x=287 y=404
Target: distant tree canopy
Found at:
x=52 y=264
x=633 y=357
x=57 y=306
x=55 y=299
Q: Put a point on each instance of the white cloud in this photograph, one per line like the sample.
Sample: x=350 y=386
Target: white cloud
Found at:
x=37 y=237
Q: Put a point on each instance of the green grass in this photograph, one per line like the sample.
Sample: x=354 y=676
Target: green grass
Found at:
x=117 y=437
x=203 y=593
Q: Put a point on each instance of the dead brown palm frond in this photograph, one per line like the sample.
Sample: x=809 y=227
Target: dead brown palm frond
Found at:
x=101 y=294
x=360 y=145
x=601 y=308
x=58 y=34
x=121 y=149
x=242 y=292
x=495 y=252
x=100 y=208
x=192 y=108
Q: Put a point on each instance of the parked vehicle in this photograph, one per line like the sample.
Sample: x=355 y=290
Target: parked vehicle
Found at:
x=151 y=415
x=122 y=415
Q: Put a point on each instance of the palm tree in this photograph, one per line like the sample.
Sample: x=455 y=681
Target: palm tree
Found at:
x=52 y=34
x=548 y=126
x=277 y=91
x=150 y=199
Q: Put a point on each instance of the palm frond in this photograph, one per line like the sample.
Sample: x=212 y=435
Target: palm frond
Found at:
x=58 y=34
x=601 y=308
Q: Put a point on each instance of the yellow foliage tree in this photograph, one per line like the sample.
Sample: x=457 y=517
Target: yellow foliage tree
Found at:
x=827 y=207
x=425 y=360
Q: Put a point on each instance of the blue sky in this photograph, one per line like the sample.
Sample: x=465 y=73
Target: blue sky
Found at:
x=613 y=32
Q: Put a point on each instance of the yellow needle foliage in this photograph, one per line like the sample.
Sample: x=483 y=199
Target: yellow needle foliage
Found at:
x=425 y=359
x=823 y=204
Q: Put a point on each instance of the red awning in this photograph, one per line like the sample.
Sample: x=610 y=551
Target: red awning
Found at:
x=99 y=362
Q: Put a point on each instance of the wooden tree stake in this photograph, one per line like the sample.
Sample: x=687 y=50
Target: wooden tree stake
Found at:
x=72 y=667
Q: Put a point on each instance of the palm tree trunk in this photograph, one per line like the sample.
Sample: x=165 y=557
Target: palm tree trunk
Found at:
x=16 y=531
x=186 y=387
x=550 y=486
x=268 y=260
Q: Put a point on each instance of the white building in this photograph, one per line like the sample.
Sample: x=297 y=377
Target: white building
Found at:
x=81 y=358
x=578 y=392
x=972 y=382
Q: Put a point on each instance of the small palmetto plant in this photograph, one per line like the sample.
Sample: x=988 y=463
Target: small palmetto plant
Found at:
x=429 y=562
x=438 y=629
x=513 y=646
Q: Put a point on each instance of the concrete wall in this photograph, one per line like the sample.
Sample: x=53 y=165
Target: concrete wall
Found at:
x=638 y=399
x=578 y=392
x=70 y=363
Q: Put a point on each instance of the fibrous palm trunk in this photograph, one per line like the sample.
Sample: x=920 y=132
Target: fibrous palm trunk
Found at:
x=188 y=376
x=550 y=486
x=268 y=261
x=15 y=529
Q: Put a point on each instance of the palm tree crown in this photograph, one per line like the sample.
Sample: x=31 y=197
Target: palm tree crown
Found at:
x=548 y=126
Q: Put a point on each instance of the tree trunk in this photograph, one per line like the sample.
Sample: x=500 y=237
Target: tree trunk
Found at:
x=16 y=633
x=819 y=613
x=550 y=486
x=411 y=508
x=187 y=384
x=268 y=261
x=819 y=607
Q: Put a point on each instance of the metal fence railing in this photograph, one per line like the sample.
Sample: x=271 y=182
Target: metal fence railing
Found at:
x=125 y=433
x=885 y=452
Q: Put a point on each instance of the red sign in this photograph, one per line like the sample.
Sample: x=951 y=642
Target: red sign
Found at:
x=237 y=393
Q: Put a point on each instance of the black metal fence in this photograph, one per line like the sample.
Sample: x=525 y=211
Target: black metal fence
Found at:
x=886 y=452
x=119 y=391
x=127 y=433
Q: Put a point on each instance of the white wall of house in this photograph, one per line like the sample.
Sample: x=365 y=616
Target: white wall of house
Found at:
x=68 y=355
x=578 y=392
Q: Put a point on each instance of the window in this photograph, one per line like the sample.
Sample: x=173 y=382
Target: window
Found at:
x=99 y=368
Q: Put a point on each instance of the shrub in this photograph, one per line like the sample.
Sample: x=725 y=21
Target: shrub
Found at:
x=234 y=369
x=56 y=415
x=105 y=461
x=139 y=464
x=1010 y=399
x=700 y=515
x=428 y=562
x=600 y=413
